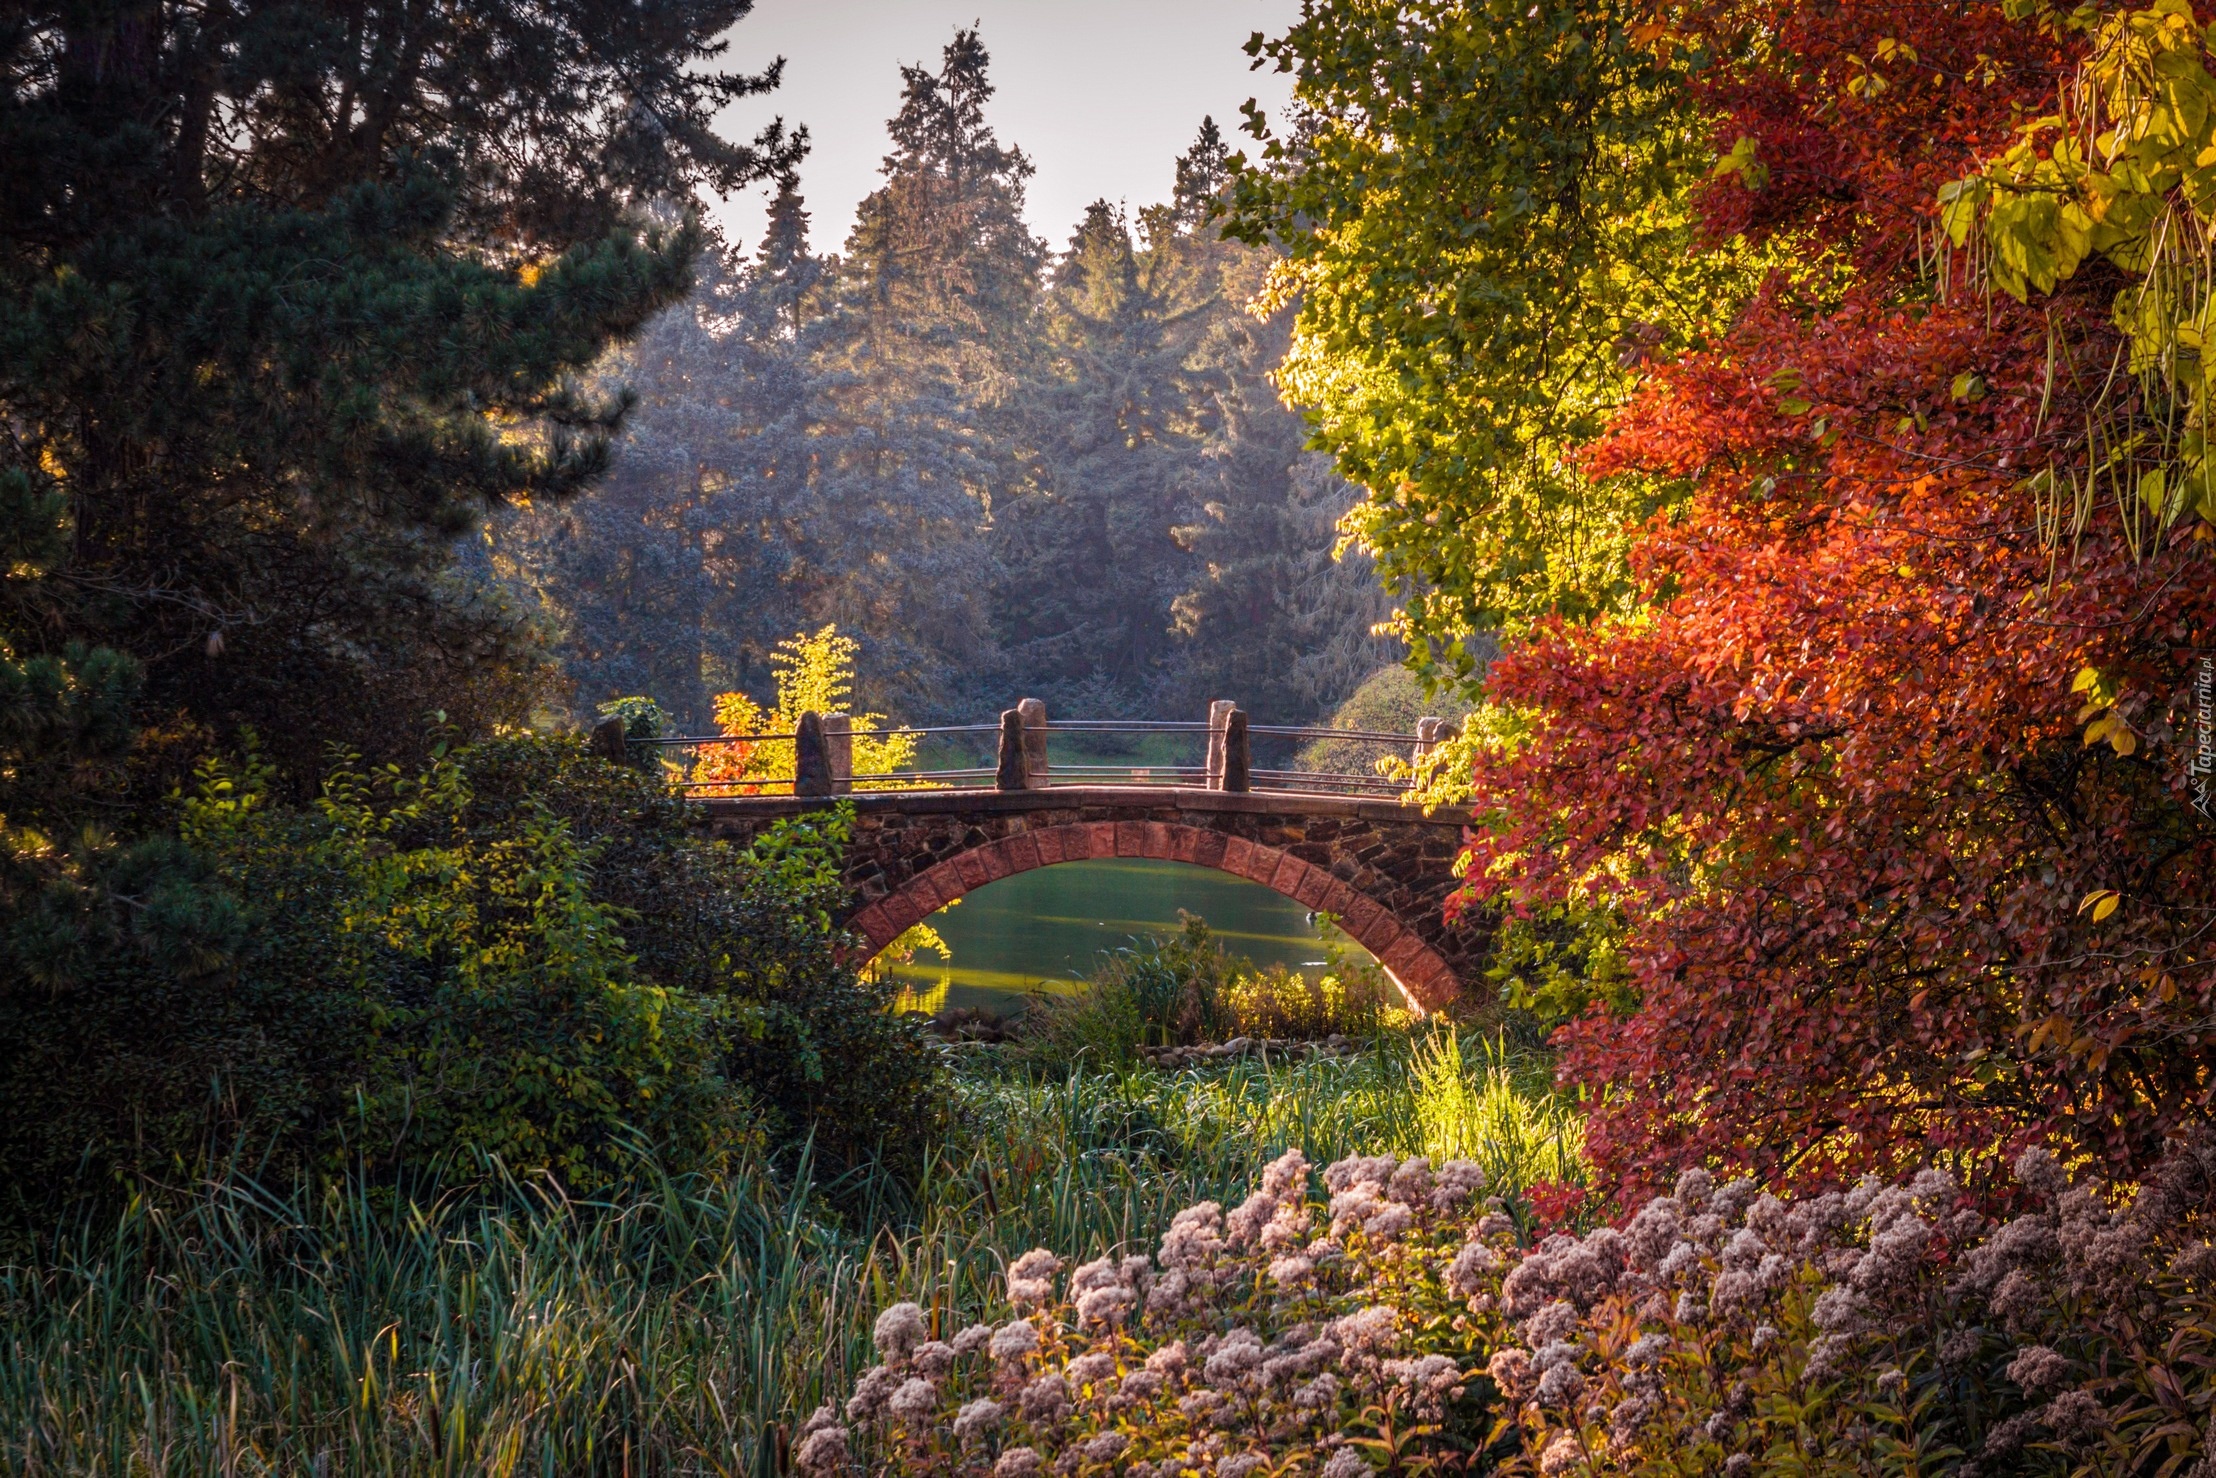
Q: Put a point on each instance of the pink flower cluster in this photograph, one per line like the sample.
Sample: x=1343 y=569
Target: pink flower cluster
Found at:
x=1263 y=1339
x=1394 y=1318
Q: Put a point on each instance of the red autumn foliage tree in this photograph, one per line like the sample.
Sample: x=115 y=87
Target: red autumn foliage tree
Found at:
x=1882 y=899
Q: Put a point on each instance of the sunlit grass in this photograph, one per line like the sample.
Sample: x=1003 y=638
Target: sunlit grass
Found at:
x=503 y=1329
x=1483 y=1106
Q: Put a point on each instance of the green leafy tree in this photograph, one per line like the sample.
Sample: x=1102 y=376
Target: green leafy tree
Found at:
x=1482 y=211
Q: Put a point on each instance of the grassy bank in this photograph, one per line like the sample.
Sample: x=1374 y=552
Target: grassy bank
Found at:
x=231 y=1330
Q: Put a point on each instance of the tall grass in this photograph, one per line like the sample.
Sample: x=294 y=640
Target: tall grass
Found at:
x=1490 y=1109
x=500 y=1328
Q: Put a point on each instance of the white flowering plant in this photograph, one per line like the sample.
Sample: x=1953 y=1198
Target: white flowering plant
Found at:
x=1294 y=1333
x=1882 y=1329
x=1394 y=1323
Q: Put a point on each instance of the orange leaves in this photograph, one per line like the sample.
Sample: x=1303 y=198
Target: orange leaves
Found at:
x=1832 y=789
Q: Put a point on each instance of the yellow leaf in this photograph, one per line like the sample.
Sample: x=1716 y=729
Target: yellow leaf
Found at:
x=2121 y=738
x=2087 y=677
x=2152 y=485
x=2103 y=903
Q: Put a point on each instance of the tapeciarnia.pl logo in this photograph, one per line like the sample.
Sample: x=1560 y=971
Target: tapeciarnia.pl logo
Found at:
x=2204 y=731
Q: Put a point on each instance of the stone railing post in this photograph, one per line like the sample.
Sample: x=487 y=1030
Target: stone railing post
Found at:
x=1033 y=713
x=838 y=746
x=1013 y=774
x=811 y=757
x=1427 y=739
x=1430 y=734
x=1219 y=713
x=1238 y=759
x=608 y=740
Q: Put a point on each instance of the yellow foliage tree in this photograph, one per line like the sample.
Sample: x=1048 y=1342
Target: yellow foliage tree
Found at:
x=814 y=673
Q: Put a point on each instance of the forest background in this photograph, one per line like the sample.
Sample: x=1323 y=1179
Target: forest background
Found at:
x=1006 y=469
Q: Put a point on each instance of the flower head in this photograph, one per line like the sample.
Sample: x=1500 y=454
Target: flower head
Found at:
x=2037 y=1370
x=899 y=1330
x=1562 y=1454
x=975 y=1420
x=822 y=1451
x=1347 y=1462
x=914 y=1401
x=1014 y=1340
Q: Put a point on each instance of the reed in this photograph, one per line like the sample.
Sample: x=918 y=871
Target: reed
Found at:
x=495 y=1326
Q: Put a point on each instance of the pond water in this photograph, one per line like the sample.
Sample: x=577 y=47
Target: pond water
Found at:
x=1047 y=929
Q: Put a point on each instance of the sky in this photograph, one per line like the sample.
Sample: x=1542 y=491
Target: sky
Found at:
x=1103 y=95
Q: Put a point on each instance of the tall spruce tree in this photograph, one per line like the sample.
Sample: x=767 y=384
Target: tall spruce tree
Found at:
x=1111 y=423
x=926 y=335
x=1084 y=488
x=675 y=579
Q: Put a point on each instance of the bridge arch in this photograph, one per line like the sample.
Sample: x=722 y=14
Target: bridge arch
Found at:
x=1385 y=869
x=1422 y=974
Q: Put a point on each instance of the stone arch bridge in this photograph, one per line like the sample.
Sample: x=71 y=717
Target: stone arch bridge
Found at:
x=1383 y=868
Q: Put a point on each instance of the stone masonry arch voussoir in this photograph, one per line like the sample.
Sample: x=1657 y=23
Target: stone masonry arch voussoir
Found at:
x=1422 y=973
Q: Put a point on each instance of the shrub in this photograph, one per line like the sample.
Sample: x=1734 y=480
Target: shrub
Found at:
x=817 y=1046
x=519 y=950
x=1400 y=1325
x=1166 y=990
x=1284 y=1003
x=1185 y=988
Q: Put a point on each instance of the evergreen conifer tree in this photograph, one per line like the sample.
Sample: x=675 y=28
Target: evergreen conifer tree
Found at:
x=928 y=328
x=290 y=294
x=1111 y=425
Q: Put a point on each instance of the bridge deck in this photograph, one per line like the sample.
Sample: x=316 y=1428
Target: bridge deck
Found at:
x=1106 y=798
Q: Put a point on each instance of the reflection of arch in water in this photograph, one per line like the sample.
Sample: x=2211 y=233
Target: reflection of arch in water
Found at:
x=1420 y=972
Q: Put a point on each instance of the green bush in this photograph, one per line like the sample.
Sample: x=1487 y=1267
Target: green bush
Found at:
x=519 y=951
x=1185 y=988
x=817 y=1047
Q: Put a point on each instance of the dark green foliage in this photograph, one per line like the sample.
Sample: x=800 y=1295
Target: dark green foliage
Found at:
x=289 y=294
x=518 y=951
x=1111 y=420
x=814 y=1045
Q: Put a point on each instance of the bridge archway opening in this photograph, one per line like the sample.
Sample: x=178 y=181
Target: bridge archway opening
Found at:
x=1425 y=980
x=1052 y=928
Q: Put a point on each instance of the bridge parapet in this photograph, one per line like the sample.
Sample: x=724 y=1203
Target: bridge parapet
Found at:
x=1384 y=868
x=817 y=756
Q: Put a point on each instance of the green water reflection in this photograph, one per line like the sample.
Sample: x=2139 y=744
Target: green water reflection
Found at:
x=1047 y=929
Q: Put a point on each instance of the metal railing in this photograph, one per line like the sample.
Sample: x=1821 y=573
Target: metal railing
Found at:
x=817 y=757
